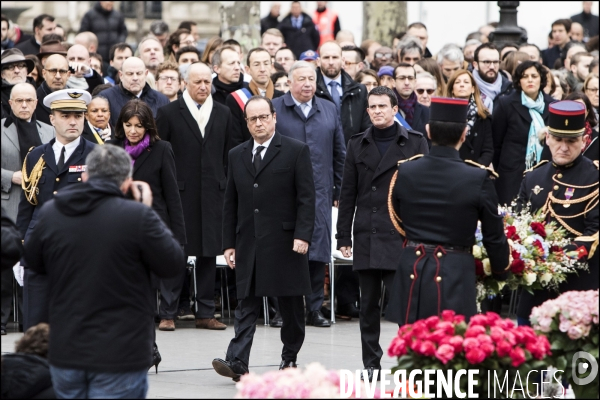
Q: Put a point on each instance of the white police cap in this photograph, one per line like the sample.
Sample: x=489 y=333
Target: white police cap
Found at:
x=68 y=100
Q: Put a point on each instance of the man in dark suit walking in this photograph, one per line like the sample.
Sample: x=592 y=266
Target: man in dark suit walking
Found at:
x=198 y=129
x=267 y=241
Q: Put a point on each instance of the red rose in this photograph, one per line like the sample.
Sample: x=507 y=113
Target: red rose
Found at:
x=528 y=334
x=539 y=246
x=437 y=335
x=496 y=333
x=515 y=254
x=503 y=348
x=475 y=356
x=470 y=343
x=492 y=317
x=445 y=353
x=517 y=266
x=556 y=249
x=483 y=338
x=479 y=268
x=474 y=331
x=448 y=315
x=517 y=355
x=505 y=324
x=427 y=348
x=458 y=319
x=397 y=347
x=478 y=319
x=447 y=327
x=431 y=322
x=511 y=233
x=488 y=349
x=509 y=336
x=457 y=343
x=538 y=227
x=415 y=345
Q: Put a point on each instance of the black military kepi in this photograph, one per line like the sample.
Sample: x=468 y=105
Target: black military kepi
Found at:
x=445 y=109
x=567 y=119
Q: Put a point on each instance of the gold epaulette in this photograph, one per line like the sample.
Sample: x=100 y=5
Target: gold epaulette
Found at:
x=491 y=171
x=410 y=159
x=535 y=166
x=29 y=182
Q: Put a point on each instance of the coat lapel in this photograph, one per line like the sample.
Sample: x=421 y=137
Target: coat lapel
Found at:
x=11 y=134
x=140 y=160
x=521 y=109
x=370 y=155
x=247 y=157
x=394 y=153
x=189 y=119
x=211 y=119
x=272 y=151
x=49 y=156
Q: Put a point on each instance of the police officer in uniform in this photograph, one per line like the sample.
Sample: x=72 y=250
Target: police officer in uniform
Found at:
x=566 y=190
x=46 y=170
x=435 y=203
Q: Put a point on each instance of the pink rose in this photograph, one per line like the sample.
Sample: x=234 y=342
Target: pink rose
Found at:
x=470 y=343
x=474 y=331
x=447 y=327
x=487 y=348
x=496 y=333
x=427 y=348
x=432 y=321
x=478 y=319
x=517 y=355
x=397 y=347
x=458 y=319
x=437 y=336
x=575 y=332
x=475 y=356
x=445 y=353
x=503 y=348
x=564 y=325
x=448 y=315
x=457 y=343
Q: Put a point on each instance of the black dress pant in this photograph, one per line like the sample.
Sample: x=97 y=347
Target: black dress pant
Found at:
x=346 y=286
x=35 y=299
x=314 y=301
x=170 y=290
x=206 y=270
x=7 y=297
x=246 y=315
x=370 y=329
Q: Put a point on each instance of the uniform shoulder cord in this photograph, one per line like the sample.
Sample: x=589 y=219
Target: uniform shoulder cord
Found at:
x=393 y=215
x=29 y=183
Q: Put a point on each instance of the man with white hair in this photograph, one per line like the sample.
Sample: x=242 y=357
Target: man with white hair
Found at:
x=315 y=121
x=200 y=164
x=450 y=59
x=84 y=77
x=133 y=85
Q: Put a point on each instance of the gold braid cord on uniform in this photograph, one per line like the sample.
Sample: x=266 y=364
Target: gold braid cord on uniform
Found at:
x=30 y=182
x=393 y=216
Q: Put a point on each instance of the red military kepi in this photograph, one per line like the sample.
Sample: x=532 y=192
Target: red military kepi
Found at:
x=435 y=202
x=566 y=190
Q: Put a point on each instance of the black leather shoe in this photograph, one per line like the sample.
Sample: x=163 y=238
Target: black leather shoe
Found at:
x=370 y=374
x=287 y=364
x=276 y=322
x=315 y=318
x=230 y=369
x=347 y=311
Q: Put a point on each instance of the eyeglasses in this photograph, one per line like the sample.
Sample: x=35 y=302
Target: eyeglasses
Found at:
x=167 y=78
x=26 y=101
x=53 y=71
x=488 y=62
x=429 y=91
x=403 y=78
x=381 y=55
x=591 y=89
x=20 y=65
x=263 y=118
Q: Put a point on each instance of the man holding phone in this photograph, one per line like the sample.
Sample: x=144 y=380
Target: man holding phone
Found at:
x=83 y=76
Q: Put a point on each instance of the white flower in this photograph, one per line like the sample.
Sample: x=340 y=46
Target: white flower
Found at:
x=530 y=277
x=487 y=267
x=501 y=285
x=528 y=240
x=545 y=278
x=476 y=251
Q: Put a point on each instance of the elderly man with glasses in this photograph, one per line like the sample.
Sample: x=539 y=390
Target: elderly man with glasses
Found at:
x=15 y=68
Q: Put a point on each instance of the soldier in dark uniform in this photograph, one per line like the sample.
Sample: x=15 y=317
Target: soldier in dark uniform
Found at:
x=46 y=170
x=566 y=190
x=435 y=203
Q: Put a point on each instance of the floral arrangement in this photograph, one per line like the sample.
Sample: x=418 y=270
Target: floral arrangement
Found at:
x=294 y=383
x=571 y=324
x=538 y=258
x=487 y=343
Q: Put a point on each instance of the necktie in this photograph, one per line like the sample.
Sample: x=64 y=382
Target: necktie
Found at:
x=61 y=159
x=335 y=94
x=258 y=158
x=305 y=109
x=199 y=105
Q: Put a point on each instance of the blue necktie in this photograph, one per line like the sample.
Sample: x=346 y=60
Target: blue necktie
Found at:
x=335 y=94
x=199 y=105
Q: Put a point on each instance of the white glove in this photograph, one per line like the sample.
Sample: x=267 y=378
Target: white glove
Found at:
x=18 y=271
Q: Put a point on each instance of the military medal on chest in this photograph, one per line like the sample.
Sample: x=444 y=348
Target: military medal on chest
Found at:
x=568 y=195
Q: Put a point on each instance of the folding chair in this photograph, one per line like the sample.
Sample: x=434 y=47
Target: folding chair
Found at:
x=337 y=259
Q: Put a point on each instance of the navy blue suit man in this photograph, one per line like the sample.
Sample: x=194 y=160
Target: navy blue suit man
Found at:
x=48 y=169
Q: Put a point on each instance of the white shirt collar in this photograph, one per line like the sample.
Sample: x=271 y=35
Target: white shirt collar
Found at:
x=265 y=145
x=338 y=80
x=309 y=103
x=69 y=148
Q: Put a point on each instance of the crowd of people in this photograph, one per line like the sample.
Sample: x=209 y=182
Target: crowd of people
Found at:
x=177 y=110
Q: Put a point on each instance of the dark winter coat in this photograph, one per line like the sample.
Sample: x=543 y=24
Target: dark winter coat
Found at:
x=510 y=132
x=156 y=167
x=118 y=96
x=268 y=22
x=107 y=246
x=364 y=198
x=222 y=90
x=322 y=132
x=264 y=212
x=479 y=145
x=355 y=118
x=300 y=40
x=201 y=164
x=29 y=46
x=109 y=27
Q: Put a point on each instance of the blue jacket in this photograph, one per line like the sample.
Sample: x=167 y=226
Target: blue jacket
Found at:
x=118 y=96
x=322 y=132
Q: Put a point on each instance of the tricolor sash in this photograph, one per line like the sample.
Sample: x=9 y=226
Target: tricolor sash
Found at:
x=398 y=118
x=242 y=96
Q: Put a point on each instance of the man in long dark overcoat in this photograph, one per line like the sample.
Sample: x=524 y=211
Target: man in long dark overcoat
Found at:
x=268 y=219
x=198 y=130
x=314 y=121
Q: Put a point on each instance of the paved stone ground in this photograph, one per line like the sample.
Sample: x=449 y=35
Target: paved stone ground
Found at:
x=186 y=370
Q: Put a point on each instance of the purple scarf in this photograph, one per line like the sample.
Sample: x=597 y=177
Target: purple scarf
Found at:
x=135 y=150
x=407 y=105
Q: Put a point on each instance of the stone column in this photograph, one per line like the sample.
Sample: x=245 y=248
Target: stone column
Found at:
x=383 y=19
x=240 y=20
x=508 y=31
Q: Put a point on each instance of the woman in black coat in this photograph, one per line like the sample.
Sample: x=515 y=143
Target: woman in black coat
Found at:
x=154 y=163
x=97 y=127
x=515 y=131
x=478 y=146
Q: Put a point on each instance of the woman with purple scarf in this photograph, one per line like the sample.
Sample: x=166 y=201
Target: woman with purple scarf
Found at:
x=154 y=163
